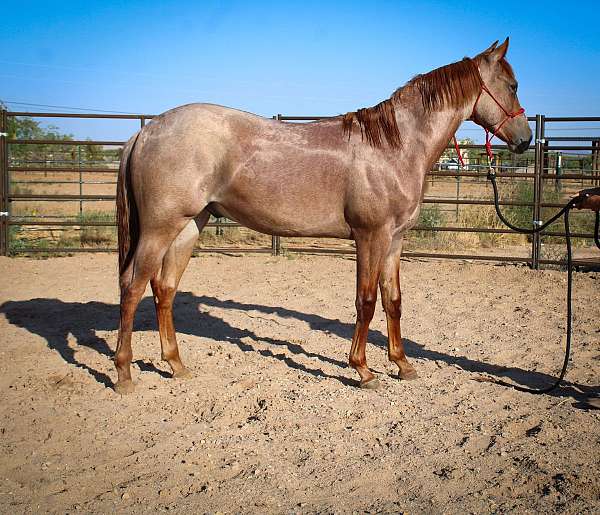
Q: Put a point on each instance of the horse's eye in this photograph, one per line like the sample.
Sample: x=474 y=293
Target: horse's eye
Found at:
x=514 y=88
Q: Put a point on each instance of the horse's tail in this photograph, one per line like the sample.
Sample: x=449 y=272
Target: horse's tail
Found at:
x=127 y=215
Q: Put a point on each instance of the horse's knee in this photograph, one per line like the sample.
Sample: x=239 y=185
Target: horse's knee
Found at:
x=393 y=307
x=164 y=293
x=365 y=307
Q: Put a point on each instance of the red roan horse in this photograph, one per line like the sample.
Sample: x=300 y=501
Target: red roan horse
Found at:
x=359 y=176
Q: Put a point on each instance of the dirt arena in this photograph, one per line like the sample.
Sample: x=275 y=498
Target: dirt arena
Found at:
x=272 y=421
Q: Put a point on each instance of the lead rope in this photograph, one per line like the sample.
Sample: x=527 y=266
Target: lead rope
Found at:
x=565 y=213
x=596 y=228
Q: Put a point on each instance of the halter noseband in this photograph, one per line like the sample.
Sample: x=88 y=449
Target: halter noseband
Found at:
x=488 y=138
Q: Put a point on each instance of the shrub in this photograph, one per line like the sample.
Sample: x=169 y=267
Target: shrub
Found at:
x=96 y=235
x=430 y=217
x=484 y=217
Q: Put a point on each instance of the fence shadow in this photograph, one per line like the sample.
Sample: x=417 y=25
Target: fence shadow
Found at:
x=55 y=320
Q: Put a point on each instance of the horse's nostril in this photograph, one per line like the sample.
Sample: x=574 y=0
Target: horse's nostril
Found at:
x=523 y=145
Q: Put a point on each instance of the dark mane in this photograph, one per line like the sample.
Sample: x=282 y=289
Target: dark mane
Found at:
x=376 y=123
x=451 y=86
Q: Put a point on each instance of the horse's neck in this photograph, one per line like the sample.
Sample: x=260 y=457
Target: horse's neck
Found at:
x=431 y=133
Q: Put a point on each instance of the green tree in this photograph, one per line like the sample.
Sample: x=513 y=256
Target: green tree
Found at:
x=93 y=154
x=23 y=127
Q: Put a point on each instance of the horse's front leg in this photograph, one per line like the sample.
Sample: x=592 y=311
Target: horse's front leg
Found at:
x=391 y=297
x=371 y=248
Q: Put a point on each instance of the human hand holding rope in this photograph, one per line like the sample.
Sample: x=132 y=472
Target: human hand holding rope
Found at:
x=588 y=199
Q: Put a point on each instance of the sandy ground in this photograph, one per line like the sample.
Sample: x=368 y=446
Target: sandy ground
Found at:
x=272 y=421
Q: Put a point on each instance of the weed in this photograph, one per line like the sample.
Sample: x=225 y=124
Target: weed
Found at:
x=18 y=189
x=430 y=217
x=91 y=235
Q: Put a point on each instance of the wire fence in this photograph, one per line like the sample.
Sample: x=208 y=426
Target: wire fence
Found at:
x=57 y=196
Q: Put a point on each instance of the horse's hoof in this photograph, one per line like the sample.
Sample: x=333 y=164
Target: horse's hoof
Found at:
x=371 y=384
x=184 y=373
x=408 y=375
x=124 y=387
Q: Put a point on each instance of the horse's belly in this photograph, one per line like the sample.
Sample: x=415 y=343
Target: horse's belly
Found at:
x=285 y=219
x=286 y=191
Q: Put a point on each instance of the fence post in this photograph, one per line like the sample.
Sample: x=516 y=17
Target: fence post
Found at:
x=596 y=162
x=4 y=184
x=276 y=240
x=80 y=182
x=537 y=189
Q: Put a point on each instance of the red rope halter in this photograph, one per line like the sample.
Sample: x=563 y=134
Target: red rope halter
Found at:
x=488 y=138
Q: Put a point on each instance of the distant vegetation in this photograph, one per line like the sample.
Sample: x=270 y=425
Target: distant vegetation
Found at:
x=49 y=155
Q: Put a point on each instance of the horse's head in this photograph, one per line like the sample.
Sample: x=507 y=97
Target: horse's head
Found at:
x=497 y=108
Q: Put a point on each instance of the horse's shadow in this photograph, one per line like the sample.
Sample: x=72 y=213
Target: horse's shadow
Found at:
x=55 y=320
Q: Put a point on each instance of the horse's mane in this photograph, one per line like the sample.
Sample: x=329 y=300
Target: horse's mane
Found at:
x=375 y=123
x=451 y=86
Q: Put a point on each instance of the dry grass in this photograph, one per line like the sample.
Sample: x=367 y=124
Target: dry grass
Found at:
x=91 y=236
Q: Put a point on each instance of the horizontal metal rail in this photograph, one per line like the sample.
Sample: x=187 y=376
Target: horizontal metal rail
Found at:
x=432 y=173
x=62 y=197
x=573 y=138
x=77 y=198
x=571 y=119
x=69 y=250
x=427 y=200
x=441 y=228
x=84 y=183
x=60 y=169
x=63 y=142
x=82 y=115
x=320 y=250
x=308 y=118
x=121 y=143
x=85 y=223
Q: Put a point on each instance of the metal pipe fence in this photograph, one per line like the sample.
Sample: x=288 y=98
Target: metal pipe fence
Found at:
x=549 y=163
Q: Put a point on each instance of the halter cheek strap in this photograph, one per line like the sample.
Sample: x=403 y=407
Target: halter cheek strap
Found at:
x=488 y=138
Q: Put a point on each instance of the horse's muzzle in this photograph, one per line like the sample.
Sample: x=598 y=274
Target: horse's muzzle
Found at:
x=521 y=145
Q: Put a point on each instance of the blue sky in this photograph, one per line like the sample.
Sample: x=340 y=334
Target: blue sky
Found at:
x=291 y=57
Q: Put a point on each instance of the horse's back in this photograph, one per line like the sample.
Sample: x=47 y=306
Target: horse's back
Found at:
x=288 y=179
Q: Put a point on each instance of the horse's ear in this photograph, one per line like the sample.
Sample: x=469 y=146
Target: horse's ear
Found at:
x=491 y=48
x=499 y=52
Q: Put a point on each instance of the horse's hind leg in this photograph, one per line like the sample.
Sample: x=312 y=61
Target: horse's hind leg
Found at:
x=164 y=286
x=146 y=261
x=389 y=282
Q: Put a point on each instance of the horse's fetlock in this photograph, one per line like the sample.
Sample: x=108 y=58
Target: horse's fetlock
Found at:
x=396 y=357
x=170 y=355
